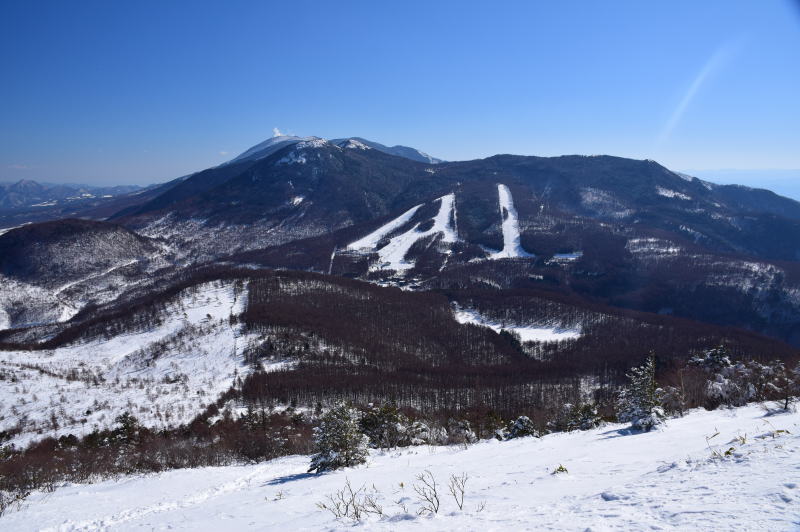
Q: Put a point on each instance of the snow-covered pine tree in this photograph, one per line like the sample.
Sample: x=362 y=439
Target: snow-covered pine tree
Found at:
x=638 y=402
x=712 y=360
x=385 y=426
x=584 y=417
x=338 y=440
x=519 y=428
x=581 y=416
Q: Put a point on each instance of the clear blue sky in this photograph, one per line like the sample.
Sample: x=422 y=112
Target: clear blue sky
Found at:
x=141 y=92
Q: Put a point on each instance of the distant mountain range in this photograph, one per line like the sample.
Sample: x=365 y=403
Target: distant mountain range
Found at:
x=28 y=193
x=625 y=233
x=306 y=271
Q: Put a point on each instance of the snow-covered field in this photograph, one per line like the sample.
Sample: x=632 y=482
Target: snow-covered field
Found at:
x=164 y=375
x=676 y=478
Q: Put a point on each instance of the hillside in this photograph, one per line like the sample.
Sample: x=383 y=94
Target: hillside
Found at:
x=49 y=271
x=245 y=338
x=681 y=477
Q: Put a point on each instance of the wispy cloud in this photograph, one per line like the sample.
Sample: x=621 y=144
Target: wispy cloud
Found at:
x=18 y=167
x=718 y=59
x=223 y=152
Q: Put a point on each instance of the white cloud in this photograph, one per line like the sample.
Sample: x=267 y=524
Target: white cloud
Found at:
x=276 y=132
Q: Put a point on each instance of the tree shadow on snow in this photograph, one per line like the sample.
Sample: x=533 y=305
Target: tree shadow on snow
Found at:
x=618 y=433
x=289 y=478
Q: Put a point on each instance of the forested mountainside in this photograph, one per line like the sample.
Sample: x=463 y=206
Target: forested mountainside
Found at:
x=625 y=233
x=263 y=337
x=223 y=316
x=358 y=273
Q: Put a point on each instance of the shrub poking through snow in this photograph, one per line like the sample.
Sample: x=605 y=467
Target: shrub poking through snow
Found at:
x=457 y=487
x=519 y=428
x=353 y=504
x=638 y=402
x=427 y=493
x=339 y=441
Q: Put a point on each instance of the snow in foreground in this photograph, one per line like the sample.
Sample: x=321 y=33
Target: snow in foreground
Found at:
x=667 y=479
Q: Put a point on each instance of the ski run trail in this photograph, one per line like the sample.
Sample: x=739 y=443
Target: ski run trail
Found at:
x=511 y=242
x=678 y=477
x=392 y=256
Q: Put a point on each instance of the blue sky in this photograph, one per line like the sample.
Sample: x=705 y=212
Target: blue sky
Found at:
x=141 y=92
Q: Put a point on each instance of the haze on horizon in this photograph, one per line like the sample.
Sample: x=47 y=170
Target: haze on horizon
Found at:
x=105 y=93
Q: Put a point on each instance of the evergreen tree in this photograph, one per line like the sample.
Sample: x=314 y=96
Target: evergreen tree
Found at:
x=386 y=427
x=338 y=440
x=583 y=417
x=519 y=428
x=638 y=402
x=713 y=360
x=575 y=417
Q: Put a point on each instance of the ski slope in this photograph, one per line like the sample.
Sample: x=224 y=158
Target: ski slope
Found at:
x=512 y=248
x=392 y=256
x=371 y=240
x=668 y=479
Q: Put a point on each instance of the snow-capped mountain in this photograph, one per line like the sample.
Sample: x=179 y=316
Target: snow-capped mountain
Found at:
x=401 y=151
x=267 y=148
x=629 y=233
x=278 y=141
x=213 y=319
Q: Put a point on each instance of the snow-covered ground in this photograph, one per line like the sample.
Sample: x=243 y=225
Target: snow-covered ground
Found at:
x=675 y=478
x=164 y=375
x=527 y=333
x=370 y=241
x=667 y=193
x=392 y=256
x=511 y=243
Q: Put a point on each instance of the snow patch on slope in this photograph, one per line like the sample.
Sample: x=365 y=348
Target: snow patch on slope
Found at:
x=527 y=333
x=667 y=193
x=512 y=248
x=567 y=257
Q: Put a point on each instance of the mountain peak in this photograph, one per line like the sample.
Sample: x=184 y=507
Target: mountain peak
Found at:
x=397 y=150
x=279 y=141
x=267 y=148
